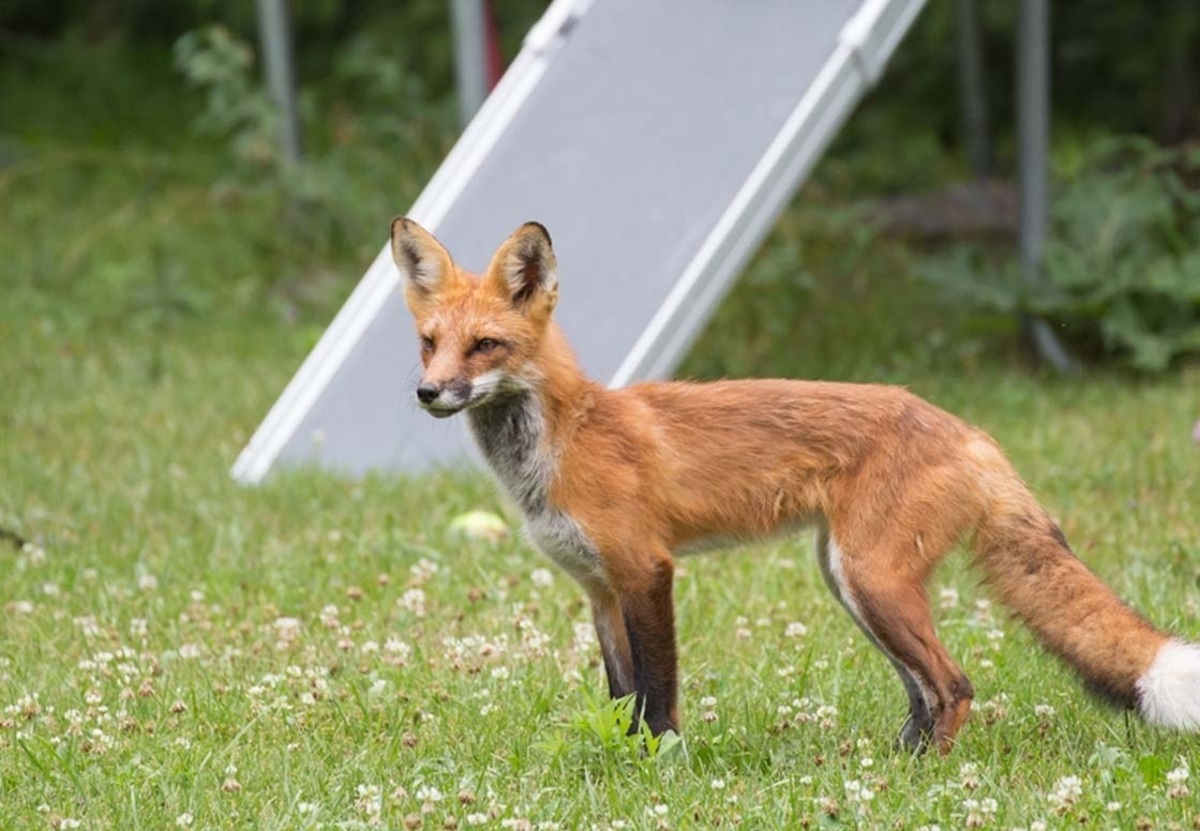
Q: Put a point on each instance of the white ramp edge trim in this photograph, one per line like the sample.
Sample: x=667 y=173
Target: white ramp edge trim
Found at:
x=865 y=44
x=381 y=279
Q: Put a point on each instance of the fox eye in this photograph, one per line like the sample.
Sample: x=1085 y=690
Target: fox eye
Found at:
x=426 y=343
x=485 y=345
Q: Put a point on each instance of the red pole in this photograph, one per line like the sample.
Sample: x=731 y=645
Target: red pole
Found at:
x=495 y=59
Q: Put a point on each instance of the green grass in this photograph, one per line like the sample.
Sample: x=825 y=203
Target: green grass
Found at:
x=175 y=646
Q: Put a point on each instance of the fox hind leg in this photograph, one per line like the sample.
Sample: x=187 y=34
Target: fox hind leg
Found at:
x=894 y=614
x=918 y=727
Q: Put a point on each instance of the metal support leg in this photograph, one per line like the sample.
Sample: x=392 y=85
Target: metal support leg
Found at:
x=1033 y=129
x=275 y=35
x=972 y=92
x=470 y=55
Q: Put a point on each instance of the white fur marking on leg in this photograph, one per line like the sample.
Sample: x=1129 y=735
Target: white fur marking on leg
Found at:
x=837 y=575
x=1169 y=692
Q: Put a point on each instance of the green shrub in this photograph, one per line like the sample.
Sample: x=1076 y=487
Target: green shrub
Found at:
x=1121 y=275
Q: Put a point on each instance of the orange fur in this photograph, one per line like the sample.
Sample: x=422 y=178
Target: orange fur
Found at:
x=616 y=483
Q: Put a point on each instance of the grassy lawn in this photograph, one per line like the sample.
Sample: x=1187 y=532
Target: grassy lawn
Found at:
x=176 y=650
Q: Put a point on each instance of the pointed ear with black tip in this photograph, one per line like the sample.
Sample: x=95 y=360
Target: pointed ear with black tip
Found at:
x=425 y=265
x=524 y=270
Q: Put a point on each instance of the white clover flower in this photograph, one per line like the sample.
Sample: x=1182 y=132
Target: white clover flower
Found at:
x=795 y=629
x=397 y=650
x=948 y=597
x=542 y=578
x=287 y=625
x=184 y=820
x=413 y=601
x=147 y=582
x=422 y=571
x=89 y=626
x=1067 y=791
x=369 y=799
x=1177 y=779
x=717 y=784
x=427 y=793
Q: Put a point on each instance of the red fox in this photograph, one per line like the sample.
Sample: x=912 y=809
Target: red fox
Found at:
x=613 y=484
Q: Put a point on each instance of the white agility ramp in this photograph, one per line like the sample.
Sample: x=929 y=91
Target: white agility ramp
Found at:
x=657 y=140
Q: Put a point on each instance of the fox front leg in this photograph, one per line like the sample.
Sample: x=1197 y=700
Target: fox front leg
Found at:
x=635 y=624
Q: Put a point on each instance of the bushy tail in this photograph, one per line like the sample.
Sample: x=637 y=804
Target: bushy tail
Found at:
x=1118 y=654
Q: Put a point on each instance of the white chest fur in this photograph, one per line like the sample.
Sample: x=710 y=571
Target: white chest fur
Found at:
x=512 y=435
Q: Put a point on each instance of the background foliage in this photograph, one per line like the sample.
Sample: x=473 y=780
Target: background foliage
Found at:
x=1121 y=274
x=377 y=94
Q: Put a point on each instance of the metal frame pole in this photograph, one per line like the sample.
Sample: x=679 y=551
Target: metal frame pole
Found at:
x=275 y=36
x=1033 y=134
x=972 y=91
x=470 y=55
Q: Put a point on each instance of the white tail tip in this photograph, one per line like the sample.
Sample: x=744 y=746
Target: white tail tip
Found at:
x=1169 y=692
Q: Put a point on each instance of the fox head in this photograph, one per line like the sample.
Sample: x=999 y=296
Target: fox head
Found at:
x=478 y=335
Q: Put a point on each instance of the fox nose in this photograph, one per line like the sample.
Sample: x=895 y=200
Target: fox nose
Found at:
x=428 y=393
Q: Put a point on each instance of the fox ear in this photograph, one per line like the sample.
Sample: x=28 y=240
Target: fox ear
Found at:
x=525 y=271
x=425 y=265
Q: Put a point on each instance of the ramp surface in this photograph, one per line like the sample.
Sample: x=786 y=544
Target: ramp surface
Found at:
x=657 y=141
